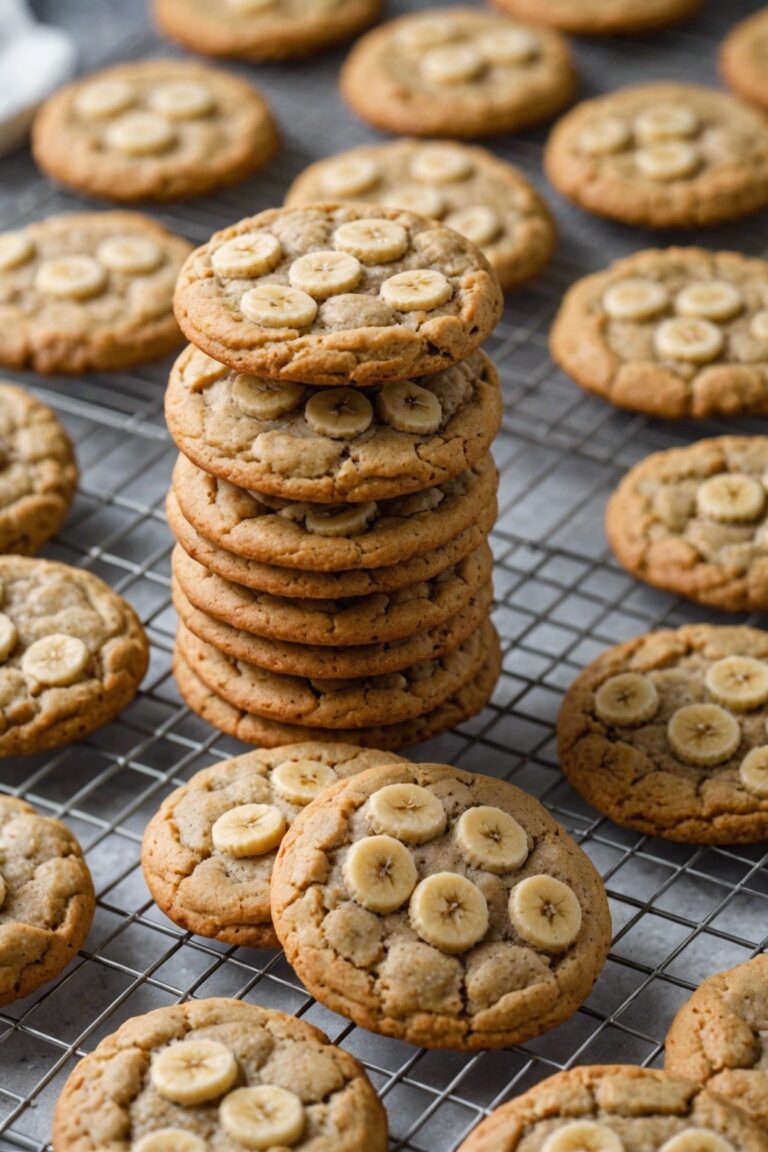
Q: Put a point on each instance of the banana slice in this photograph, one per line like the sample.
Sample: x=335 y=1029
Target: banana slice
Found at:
x=350 y=176
x=372 y=241
x=545 y=912
x=422 y=34
x=71 y=277
x=449 y=912
x=666 y=122
x=193 y=1071
x=423 y=201
x=408 y=407
x=132 y=255
x=249 y=830
x=738 y=682
x=583 y=1136
x=275 y=306
x=340 y=520
x=710 y=300
x=509 y=46
x=341 y=413
x=627 y=700
x=380 y=873
x=140 y=134
x=406 y=811
x=300 y=781
x=265 y=1116
x=3 y=891
x=451 y=64
x=55 y=661
x=324 y=274
x=265 y=399
x=8 y=636
x=668 y=160
x=170 y=1140
x=249 y=7
x=103 y=99
x=635 y=299
x=730 y=498
x=182 y=100
x=491 y=839
x=440 y=164
x=418 y=291
x=605 y=136
x=693 y=340
x=247 y=256
x=758 y=326
x=15 y=249
x=703 y=734
x=697 y=1140
x=754 y=771
x=478 y=223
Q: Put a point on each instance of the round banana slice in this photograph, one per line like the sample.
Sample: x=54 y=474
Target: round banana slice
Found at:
x=703 y=734
x=697 y=1140
x=103 y=99
x=583 y=1136
x=424 y=201
x=730 y=498
x=275 y=306
x=692 y=340
x=666 y=122
x=340 y=413
x=668 y=160
x=265 y=399
x=411 y=813
x=372 y=241
x=408 y=407
x=71 y=277
x=249 y=7
x=170 y=1140
x=247 y=256
x=340 y=520
x=440 y=164
x=193 y=1071
x=490 y=839
x=545 y=912
x=627 y=700
x=140 y=134
x=300 y=781
x=710 y=300
x=635 y=299
x=418 y=291
x=509 y=46
x=478 y=223
x=451 y=64
x=265 y=1116
x=8 y=636
x=131 y=255
x=55 y=661
x=350 y=176
x=449 y=912
x=249 y=830
x=423 y=34
x=754 y=771
x=3 y=891
x=16 y=249
x=182 y=100
x=738 y=682
x=380 y=873
x=324 y=274
x=605 y=136
x=758 y=326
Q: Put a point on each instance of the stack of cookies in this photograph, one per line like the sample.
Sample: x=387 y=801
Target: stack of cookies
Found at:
x=334 y=492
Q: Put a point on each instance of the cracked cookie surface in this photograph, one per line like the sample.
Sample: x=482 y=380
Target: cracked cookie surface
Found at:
x=601 y=17
x=744 y=58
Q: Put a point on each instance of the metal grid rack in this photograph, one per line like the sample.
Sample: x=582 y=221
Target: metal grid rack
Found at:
x=679 y=912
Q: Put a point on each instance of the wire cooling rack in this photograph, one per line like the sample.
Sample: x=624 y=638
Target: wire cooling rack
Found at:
x=679 y=913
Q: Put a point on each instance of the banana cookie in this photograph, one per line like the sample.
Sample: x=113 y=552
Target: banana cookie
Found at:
x=601 y=17
x=38 y=473
x=719 y=1037
x=88 y=290
x=153 y=130
x=208 y=853
x=441 y=907
x=46 y=899
x=72 y=654
x=667 y=734
x=662 y=156
x=457 y=72
x=616 y=1108
x=468 y=188
x=263 y=29
x=744 y=59
x=693 y=520
x=339 y=295
x=673 y=332
x=218 y=1074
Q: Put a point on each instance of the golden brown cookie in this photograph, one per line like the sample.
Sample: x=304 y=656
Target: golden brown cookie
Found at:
x=744 y=58
x=601 y=17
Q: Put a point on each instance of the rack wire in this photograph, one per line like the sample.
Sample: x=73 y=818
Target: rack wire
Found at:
x=679 y=912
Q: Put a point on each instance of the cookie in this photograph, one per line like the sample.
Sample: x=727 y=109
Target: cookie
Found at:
x=46 y=899
x=443 y=908
x=718 y=1037
x=255 y=30
x=205 y=858
x=673 y=332
x=333 y=444
x=468 y=188
x=38 y=473
x=662 y=156
x=218 y=1074
x=88 y=291
x=375 y=619
x=457 y=72
x=601 y=17
x=153 y=130
x=693 y=521
x=292 y=536
x=251 y=729
x=324 y=662
x=616 y=1106
x=72 y=654
x=339 y=295
x=744 y=58
x=666 y=734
